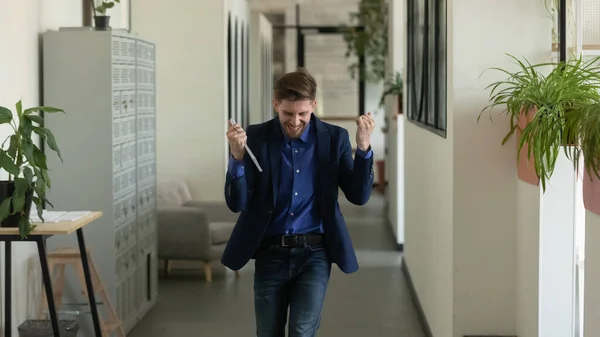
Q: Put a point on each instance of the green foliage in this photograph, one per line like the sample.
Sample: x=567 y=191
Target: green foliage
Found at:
x=370 y=42
x=392 y=86
x=561 y=99
x=105 y=6
x=25 y=162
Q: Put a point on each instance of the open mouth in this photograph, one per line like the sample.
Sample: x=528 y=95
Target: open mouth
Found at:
x=294 y=128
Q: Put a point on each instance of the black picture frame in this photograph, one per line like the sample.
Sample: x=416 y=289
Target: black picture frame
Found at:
x=426 y=75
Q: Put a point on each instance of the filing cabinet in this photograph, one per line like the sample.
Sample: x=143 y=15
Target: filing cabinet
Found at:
x=105 y=82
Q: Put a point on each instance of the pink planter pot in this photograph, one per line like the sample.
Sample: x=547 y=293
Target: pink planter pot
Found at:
x=526 y=167
x=591 y=192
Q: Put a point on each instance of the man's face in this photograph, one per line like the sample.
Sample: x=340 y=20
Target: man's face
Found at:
x=294 y=115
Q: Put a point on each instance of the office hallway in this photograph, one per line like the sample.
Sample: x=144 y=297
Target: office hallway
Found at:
x=374 y=302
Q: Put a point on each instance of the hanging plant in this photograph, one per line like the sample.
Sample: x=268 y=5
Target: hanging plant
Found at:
x=370 y=41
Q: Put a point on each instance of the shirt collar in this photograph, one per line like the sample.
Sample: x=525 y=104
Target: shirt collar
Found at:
x=303 y=137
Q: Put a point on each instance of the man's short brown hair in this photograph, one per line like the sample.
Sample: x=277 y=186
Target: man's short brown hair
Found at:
x=296 y=85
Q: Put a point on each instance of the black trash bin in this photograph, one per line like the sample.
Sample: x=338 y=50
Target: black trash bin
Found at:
x=43 y=328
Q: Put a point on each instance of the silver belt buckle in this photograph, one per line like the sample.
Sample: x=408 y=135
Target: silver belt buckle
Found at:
x=283 y=237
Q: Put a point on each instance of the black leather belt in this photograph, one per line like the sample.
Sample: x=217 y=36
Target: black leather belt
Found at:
x=295 y=240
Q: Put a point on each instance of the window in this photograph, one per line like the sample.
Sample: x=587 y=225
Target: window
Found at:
x=426 y=93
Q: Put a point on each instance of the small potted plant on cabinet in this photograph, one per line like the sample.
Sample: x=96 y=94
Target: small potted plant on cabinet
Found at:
x=25 y=164
x=393 y=87
x=102 y=21
x=545 y=110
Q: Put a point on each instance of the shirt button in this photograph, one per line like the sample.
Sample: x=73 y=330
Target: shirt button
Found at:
x=297 y=171
x=296 y=193
x=296 y=151
x=292 y=214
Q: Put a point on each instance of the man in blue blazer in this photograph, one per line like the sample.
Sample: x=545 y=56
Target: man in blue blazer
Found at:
x=290 y=220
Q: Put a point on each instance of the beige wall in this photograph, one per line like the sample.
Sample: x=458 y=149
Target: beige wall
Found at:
x=20 y=24
x=466 y=213
x=191 y=83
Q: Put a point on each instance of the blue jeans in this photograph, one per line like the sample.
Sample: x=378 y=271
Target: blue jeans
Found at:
x=290 y=277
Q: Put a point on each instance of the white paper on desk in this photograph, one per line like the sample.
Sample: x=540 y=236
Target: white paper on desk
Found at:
x=57 y=216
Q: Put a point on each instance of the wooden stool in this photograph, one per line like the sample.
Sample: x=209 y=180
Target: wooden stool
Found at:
x=59 y=259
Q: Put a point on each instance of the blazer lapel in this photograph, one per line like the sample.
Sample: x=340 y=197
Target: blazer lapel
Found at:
x=323 y=149
x=274 y=145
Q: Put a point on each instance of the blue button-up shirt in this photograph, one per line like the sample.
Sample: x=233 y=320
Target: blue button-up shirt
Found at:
x=295 y=211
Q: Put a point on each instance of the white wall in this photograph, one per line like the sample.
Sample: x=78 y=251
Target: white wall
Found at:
x=192 y=88
x=20 y=24
x=394 y=160
x=461 y=207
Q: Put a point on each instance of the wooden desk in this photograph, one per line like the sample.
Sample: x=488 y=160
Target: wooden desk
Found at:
x=39 y=235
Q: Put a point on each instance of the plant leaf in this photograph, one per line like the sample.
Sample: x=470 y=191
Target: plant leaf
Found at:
x=18 y=203
x=19 y=107
x=47 y=109
x=28 y=174
x=25 y=227
x=8 y=164
x=35 y=118
x=21 y=186
x=48 y=136
x=39 y=208
x=5 y=208
x=39 y=158
x=5 y=115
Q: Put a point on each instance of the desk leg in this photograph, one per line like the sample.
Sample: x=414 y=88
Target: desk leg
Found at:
x=88 y=282
x=8 y=289
x=47 y=284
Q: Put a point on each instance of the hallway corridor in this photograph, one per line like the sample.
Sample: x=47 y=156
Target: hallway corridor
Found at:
x=374 y=302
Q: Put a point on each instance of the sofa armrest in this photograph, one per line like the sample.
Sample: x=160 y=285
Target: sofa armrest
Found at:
x=183 y=233
x=215 y=211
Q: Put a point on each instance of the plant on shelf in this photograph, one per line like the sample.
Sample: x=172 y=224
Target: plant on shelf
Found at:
x=25 y=164
x=546 y=109
x=369 y=41
x=102 y=21
x=392 y=86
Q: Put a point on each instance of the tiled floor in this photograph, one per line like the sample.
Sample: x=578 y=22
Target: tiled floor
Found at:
x=374 y=302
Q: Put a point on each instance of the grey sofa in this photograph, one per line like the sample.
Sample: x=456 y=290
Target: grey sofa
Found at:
x=189 y=229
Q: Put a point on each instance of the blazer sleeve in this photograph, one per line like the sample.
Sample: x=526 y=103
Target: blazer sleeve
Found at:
x=239 y=182
x=356 y=175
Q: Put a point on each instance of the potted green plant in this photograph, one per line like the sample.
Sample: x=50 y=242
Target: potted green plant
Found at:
x=393 y=86
x=26 y=166
x=102 y=21
x=369 y=41
x=543 y=109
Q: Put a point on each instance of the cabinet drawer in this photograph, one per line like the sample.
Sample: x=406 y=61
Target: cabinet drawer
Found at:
x=126 y=238
x=146 y=173
x=123 y=50
x=145 y=77
x=146 y=223
x=146 y=101
x=146 y=197
x=124 y=103
x=146 y=53
x=124 y=209
x=124 y=129
x=124 y=182
x=146 y=149
x=123 y=76
x=146 y=125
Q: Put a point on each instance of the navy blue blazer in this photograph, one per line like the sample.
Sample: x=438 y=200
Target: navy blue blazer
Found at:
x=254 y=194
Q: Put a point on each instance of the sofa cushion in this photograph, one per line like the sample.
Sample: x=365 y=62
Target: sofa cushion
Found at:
x=220 y=231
